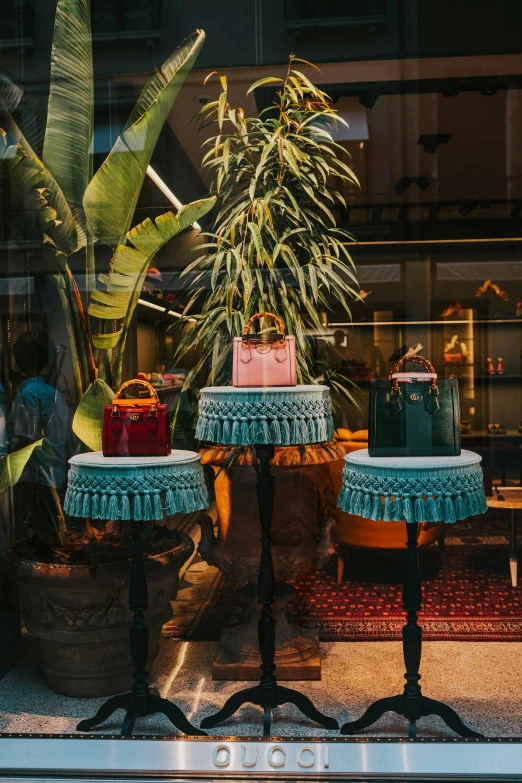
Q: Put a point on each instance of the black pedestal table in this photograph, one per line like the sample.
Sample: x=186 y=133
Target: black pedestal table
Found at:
x=263 y=418
x=137 y=489
x=421 y=489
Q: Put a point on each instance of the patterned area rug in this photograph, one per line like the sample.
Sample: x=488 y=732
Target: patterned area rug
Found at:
x=467 y=593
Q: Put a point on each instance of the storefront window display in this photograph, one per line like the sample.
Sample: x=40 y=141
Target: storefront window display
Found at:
x=351 y=172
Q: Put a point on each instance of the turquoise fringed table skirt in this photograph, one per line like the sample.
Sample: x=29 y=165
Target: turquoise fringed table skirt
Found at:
x=414 y=489
x=283 y=415
x=138 y=488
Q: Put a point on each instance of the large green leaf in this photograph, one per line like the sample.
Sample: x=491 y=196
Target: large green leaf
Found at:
x=12 y=466
x=25 y=109
x=111 y=196
x=88 y=418
x=129 y=267
x=30 y=181
x=70 y=112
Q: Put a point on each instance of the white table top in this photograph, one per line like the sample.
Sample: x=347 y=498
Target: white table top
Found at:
x=362 y=457
x=311 y=387
x=96 y=458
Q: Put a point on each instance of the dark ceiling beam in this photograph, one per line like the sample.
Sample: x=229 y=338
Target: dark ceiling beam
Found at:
x=369 y=92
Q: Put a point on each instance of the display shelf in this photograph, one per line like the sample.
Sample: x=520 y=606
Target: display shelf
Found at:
x=485 y=434
x=497 y=378
x=436 y=322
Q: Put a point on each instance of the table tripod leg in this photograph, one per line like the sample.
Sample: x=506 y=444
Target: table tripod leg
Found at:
x=128 y=723
x=412 y=632
x=303 y=703
x=268 y=694
x=121 y=702
x=140 y=701
x=513 y=558
x=449 y=716
x=266 y=586
x=411 y=704
x=232 y=704
x=372 y=714
x=156 y=704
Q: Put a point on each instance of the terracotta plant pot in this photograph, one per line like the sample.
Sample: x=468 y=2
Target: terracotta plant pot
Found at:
x=80 y=616
x=301 y=477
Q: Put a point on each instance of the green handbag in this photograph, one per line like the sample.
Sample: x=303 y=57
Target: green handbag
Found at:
x=414 y=414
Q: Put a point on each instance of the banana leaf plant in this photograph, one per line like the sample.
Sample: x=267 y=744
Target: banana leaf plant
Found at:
x=275 y=245
x=71 y=209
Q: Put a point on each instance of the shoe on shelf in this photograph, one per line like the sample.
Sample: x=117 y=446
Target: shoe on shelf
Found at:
x=465 y=427
x=500 y=366
x=454 y=308
x=414 y=349
x=398 y=353
x=496 y=429
x=490 y=367
x=489 y=286
x=451 y=344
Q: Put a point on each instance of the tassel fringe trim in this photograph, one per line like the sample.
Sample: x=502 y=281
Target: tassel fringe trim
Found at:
x=413 y=499
x=242 y=417
x=140 y=507
x=420 y=509
x=262 y=430
x=135 y=495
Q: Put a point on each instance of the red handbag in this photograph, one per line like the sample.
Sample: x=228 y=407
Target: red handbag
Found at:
x=136 y=428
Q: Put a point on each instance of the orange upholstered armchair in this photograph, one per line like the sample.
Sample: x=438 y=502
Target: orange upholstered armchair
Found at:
x=358 y=532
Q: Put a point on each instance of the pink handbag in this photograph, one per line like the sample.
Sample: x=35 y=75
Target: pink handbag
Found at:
x=264 y=359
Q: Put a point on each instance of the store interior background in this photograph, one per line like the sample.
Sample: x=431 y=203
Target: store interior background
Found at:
x=433 y=97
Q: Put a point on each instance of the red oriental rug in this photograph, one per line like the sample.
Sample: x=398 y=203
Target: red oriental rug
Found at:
x=467 y=593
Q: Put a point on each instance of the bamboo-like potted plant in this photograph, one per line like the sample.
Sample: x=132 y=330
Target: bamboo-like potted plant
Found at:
x=72 y=584
x=275 y=247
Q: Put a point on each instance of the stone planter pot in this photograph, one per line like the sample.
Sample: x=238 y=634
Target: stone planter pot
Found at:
x=80 y=616
x=300 y=542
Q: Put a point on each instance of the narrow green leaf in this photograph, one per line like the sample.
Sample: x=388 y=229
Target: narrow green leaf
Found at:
x=306 y=62
x=222 y=105
x=264 y=80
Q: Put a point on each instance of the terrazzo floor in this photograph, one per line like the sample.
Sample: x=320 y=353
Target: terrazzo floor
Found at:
x=482 y=681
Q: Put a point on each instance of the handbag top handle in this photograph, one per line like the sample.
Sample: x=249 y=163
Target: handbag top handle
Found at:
x=428 y=366
x=279 y=321
x=153 y=400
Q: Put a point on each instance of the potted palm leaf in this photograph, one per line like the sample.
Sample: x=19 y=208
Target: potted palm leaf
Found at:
x=73 y=583
x=275 y=247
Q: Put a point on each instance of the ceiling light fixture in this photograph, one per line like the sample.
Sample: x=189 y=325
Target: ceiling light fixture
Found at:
x=164 y=310
x=167 y=192
x=430 y=141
